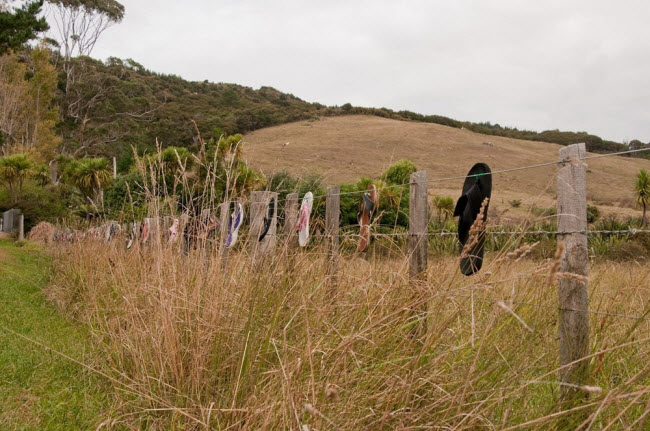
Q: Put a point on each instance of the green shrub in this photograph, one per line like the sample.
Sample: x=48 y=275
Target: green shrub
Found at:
x=50 y=203
x=399 y=172
x=515 y=203
x=592 y=213
x=444 y=206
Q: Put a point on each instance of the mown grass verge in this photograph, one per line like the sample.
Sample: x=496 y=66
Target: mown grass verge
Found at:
x=40 y=389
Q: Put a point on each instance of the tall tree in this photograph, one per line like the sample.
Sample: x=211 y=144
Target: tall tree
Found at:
x=42 y=111
x=19 y=26
x=79 y=24
x=95 y=111
x=90 y=176
x=642 y=191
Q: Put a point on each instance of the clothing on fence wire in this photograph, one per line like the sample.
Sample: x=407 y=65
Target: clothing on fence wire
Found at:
x=367 y=207
x=303 y=219
x=144 y=230
x=132 y=235
x=268 y=218
x=472 y=204
x=234 y=223
x=173 y=231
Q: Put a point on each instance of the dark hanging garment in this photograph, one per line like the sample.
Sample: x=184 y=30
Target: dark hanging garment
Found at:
x=477 y=187
x=268 y=219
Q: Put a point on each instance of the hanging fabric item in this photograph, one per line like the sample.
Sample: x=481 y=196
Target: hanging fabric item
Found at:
x=173 y=231
x=474 y=201
x=132 y=235
x=367 y=208
x=233 y=224
x=268 y=219
x=303 y=219
x=144 y=230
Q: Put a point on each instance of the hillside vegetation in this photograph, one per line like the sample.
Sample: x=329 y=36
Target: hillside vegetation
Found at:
x=132 y=106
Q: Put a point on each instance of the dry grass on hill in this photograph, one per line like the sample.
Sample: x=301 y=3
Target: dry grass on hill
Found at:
x=345 y=148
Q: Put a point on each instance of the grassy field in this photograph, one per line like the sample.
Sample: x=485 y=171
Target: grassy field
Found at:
x=40 y=389
x=281 y=345
x=343 y=149
x=190 y=339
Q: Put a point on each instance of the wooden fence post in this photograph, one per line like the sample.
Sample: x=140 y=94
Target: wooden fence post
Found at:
x=332 y=222
x=114 y=167
x=418 y=219
x=21 y=227
x=258 y=208
x=224 y=219
x=290 y=219
x=572 y=292
x=183 y=222
x=164 y=234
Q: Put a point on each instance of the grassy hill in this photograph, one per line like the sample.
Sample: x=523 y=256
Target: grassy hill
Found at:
x=343 y=149
x=127 y=105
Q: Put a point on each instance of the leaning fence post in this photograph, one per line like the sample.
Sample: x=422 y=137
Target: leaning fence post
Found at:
x=332 y=221
x=418 y=218
x=290 y=219
x=573 y=322
x=21 y=227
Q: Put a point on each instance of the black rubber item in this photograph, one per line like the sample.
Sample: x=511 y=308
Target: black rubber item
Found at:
x=268 y=219
x=477 y=187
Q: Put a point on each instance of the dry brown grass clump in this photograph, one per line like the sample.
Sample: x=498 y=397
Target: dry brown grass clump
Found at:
x=199 y=343
x=42 y=233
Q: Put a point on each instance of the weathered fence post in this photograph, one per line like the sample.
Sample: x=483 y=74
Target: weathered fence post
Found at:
x=21 y=227
x=332 y=222
x=256 y=209
x=259 y=209
x=224 y=220
x=114 y=167
x=418 y=218
x=183 y=226
x=290 y=219
x=167 y=223
x=572 y=292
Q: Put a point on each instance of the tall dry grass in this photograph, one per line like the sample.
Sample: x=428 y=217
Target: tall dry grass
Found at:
x=196 y=344
x=193 y=341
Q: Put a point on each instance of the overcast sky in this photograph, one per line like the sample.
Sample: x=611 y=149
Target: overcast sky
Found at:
x=572 y=65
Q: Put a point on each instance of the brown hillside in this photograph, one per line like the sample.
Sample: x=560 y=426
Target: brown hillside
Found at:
x=343 y=149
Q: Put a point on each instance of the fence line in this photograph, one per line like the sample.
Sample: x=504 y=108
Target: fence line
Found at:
x=532 y=232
